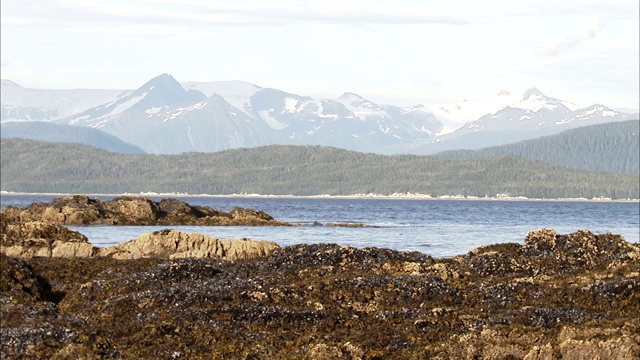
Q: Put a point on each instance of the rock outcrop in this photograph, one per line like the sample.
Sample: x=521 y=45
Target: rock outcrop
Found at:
x=572 y=296
x=132 y=210
x=173 y=244
x=42 y=238
x=36 y=230
x=46 y=239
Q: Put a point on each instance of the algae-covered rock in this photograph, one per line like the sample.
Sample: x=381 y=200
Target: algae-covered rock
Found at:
x=557 y=296
x=18 y=282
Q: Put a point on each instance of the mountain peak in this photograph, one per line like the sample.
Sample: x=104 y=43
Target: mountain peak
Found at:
x=166 y=88
x=504 y=93
x=531 y=92
x=163 y=80
x=350 y=95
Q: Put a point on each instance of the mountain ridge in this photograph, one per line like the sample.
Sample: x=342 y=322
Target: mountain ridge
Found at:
x=165 y=110
x=294 y=170
x=51 y=132
x=610 y=147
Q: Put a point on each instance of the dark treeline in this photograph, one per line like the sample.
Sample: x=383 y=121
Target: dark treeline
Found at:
x=612 y=147
x=31 y=166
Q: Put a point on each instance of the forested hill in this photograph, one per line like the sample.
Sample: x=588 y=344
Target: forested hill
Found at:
x=612 y=148
x=30 y=166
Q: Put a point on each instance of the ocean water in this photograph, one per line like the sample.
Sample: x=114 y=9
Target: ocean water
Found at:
x=438 y=228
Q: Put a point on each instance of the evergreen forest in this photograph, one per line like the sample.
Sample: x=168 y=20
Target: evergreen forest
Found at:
x=32 y=166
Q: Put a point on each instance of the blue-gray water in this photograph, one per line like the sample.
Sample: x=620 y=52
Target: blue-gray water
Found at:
x=435 y=227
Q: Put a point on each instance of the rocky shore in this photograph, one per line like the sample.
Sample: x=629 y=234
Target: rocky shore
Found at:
x=134 y=210
x=170 y=295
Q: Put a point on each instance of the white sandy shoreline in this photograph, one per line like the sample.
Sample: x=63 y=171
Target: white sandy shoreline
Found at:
x=396 y=196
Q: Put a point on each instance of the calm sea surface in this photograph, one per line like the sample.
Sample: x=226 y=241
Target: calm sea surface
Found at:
x=435 y=227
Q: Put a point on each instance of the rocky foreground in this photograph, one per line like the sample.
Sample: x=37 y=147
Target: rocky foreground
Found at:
x=170 y=295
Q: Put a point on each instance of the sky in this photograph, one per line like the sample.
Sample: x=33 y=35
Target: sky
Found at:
x=399 y=52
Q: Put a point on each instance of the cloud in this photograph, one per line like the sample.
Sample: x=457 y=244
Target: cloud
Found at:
x=567 y=43
x=75 y=13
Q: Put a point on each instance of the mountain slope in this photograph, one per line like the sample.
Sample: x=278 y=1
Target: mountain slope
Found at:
x=40 y=167
x=612 y=147
x=23 y=104
x=236 y=93
x=46 y=131
x=161 y=92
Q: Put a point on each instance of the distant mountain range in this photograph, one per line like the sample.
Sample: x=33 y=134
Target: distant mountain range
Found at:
x=46 y=131
x=166 y=117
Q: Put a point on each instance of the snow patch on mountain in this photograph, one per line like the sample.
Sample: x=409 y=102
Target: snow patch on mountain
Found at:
x=360 y=107
x=270 y=120
x=177 y=112
x=153 y=111
x=313 y=130
x=422 y=129
x=290 y=104
x=601 y=109
x=126 y=105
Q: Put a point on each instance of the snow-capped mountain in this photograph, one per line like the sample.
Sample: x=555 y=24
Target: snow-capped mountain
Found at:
x=158 y=94
x=534 y=116
x=348 y=122
x=165 y=116
x=23 y=104
x=458 y=114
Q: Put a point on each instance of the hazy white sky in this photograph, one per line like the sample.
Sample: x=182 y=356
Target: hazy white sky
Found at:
x=397 y=52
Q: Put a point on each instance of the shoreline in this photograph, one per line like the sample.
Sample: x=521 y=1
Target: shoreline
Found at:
x=395 y=196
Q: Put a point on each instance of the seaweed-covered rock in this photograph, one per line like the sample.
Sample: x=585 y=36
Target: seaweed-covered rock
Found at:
x=576 y=250
x=545 y=252
x=324 y=301
x=18 y=282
